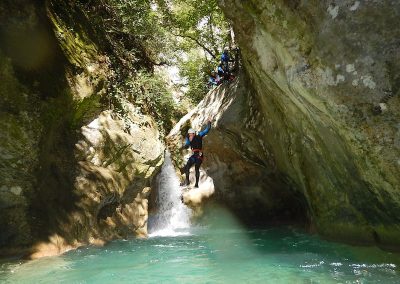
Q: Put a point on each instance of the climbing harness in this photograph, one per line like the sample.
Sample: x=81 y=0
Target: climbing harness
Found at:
x=198 y=153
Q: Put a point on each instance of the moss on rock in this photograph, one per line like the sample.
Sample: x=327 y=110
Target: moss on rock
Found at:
x=74 y=170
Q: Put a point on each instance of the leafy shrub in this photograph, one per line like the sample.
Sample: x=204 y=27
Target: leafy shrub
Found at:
x=150 y=93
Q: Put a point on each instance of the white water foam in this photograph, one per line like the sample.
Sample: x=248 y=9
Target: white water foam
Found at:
x=172 y=217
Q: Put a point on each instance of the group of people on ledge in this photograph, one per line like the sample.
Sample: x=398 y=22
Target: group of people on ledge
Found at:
x=226 y=68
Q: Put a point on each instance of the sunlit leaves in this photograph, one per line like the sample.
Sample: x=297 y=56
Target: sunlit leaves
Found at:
x=198 y=30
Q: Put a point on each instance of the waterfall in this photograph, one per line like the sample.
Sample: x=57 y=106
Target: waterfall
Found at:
x=172 y=217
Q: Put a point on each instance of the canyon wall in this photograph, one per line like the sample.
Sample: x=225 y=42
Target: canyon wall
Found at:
x=77 y=160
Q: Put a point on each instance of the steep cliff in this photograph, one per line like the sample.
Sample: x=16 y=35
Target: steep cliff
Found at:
x=309 y=133
x=77 y=152
x=238 y=169
x=319 y=70
x=312 y=129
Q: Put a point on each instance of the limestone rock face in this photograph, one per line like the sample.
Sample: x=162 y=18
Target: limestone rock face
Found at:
x=238 y=170
x=310 y=131
x=75 y=168
x=319 y=72
x=116 y=161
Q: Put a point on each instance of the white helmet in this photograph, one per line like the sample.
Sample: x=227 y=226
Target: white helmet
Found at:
x=226 y=48
x=191 y=131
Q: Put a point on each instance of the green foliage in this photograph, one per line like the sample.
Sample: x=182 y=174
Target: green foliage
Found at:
x=150 y=93
x=186 y=33
x=138 y=19
x=200 y=23
x=155 y=99
x=139 y=41
x=195 y=71
x=198 y=32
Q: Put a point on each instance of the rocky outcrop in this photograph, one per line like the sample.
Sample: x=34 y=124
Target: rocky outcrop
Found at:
x=235 y=172
x=319 y=70
x=76 y=160
x=116 y=162
x=313 y=127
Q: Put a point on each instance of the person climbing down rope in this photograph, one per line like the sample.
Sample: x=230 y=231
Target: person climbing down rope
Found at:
x=196 y=143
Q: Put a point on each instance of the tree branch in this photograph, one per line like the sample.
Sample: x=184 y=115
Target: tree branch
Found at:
x=198 y=43
x=162 y=63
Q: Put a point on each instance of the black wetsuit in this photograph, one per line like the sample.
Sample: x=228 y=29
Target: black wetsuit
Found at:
x=197 y=158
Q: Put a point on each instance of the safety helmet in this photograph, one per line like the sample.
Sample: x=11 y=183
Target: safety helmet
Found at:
x=191 y=131
x=226 y=48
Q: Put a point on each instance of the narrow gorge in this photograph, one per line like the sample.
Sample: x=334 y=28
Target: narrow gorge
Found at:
x=311 y=129
x=96 y=98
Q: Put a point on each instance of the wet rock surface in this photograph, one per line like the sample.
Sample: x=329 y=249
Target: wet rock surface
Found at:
x=309 y=132
x=237 y=170
x=74 y=170
x=317 y=71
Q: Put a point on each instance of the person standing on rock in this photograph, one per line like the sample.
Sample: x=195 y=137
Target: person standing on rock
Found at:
x=195 y=142
x=225 y=59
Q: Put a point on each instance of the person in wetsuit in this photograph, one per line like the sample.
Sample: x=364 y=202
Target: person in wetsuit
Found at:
x=213 y=80
x=225 y=60
x=195 y=142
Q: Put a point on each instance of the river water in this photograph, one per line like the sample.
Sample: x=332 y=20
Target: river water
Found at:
x=216 y=249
